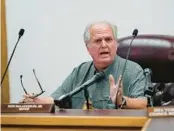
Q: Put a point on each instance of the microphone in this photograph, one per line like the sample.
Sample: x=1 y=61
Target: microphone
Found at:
x=149 y=90
x=134 y=34
x=21 y=32
x=86 y=93
x=61 y=101
x=148 y=74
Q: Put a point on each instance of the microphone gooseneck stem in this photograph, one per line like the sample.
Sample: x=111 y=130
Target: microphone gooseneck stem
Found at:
x=60 y=102
x=134 y=34
x=149 y=90
x=10 y=60
x=86 y=93
x=127 y=57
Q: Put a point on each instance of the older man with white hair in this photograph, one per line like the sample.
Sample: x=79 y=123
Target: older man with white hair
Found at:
x=101 y=42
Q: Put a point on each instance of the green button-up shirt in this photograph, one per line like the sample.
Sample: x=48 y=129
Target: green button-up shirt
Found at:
x=133 y=83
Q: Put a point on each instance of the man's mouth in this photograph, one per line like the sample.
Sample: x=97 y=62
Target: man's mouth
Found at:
x=104 y=53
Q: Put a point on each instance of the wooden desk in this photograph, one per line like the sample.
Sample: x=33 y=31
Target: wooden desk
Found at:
x=75 y=120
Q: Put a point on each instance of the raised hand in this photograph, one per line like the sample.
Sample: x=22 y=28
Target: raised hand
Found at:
x=116 y=92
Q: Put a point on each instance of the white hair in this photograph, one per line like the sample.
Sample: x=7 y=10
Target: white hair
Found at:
x=86 y=35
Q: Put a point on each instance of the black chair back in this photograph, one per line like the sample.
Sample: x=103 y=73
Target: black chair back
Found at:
x=151 y=51
x=155 y=52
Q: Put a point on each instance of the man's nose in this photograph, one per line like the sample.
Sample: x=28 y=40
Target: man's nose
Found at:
x=103 y=43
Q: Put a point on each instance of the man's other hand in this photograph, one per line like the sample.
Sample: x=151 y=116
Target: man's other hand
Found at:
x=37 y=100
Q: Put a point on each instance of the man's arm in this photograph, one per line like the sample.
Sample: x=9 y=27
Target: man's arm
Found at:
x=63 y=89
x=136 y=98
x=135 y=103
x=38 y=100
x=130 y=103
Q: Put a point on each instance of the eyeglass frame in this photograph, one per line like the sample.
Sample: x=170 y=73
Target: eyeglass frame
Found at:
x=36 y=95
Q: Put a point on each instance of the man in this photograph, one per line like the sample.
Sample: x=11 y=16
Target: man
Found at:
x=101 y=42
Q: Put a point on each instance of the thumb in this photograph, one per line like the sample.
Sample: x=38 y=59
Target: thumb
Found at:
x=119 y=80
x=111 y=81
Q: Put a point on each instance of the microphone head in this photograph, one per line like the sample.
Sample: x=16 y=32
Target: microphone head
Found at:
x=21 y=32
x=135 y=33
x=148 y=71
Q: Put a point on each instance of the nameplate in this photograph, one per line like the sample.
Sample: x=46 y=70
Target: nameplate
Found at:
x=160 y=111
x=27 y=108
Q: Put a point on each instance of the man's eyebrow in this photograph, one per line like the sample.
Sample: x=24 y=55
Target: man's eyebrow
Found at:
x=97 y=38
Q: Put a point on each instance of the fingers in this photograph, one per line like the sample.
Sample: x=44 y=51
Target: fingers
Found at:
x=119 y=93
x=27 y=95
x=115 y=89
x=119 y=80
x=21 y=101
x=119 y=96
x=32 y=96
x=27 y=98
x=111 y=81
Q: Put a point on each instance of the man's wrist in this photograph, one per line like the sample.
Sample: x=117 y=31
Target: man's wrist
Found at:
x=123 y=103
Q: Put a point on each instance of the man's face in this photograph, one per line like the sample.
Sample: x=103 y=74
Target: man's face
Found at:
x=102 y=45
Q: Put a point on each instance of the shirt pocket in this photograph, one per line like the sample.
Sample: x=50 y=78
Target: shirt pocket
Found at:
x=100 y=102
x=78 y=101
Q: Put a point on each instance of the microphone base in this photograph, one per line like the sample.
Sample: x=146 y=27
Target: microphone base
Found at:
x=63 y=104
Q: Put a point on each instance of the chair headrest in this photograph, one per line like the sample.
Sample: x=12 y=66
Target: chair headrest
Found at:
x=151 y=51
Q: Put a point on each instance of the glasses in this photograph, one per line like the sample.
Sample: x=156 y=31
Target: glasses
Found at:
x=35 y=95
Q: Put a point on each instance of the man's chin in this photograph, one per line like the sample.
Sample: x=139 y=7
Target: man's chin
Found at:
x=106 y=60
x=102 y=63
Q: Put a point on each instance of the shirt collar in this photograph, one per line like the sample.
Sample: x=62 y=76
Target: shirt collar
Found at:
x=109 y=69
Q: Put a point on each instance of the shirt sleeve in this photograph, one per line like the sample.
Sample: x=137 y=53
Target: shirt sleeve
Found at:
x=137 y=86
x=65 y=87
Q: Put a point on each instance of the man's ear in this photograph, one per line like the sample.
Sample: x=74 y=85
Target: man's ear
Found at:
x=88 y=49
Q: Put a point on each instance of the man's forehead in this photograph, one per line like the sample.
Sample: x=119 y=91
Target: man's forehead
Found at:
x=101 y=29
